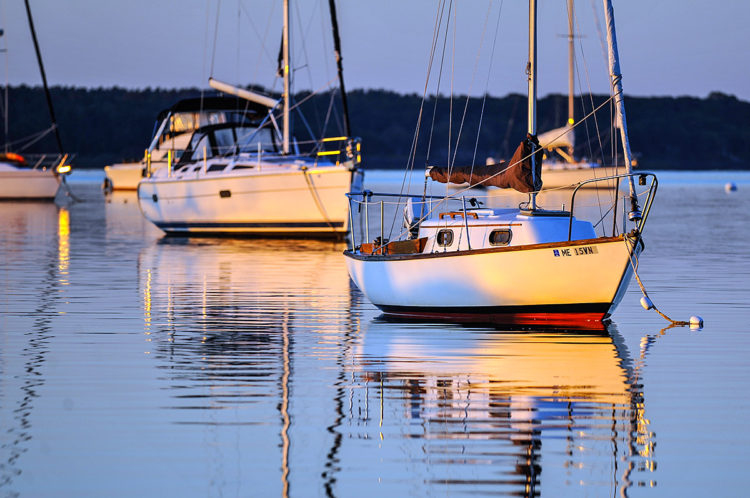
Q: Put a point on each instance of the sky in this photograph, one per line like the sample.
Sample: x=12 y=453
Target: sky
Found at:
x=667 y=47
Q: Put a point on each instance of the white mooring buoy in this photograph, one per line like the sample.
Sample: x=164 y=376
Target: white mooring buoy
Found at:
x=730 y=187
x=696 y=322
x=646 y=303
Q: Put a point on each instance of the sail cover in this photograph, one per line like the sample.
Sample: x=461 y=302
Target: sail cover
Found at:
x=515 y=174
x=559 y=137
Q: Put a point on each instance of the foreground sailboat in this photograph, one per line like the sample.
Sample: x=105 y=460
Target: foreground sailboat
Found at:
x=249 y=178
x=459 y=261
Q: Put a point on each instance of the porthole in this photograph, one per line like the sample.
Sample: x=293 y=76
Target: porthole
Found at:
x=500 y=237
x=445 y=238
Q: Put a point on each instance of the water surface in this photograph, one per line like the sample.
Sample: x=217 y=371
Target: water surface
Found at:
x=132 y=364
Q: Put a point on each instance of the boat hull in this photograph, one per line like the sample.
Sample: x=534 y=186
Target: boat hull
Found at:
x=570 y=176
x=310 y=203
x=124 y=176
x=28 y=184
x=562 y=284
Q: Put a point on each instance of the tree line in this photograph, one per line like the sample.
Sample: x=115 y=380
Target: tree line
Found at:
x=107 y=125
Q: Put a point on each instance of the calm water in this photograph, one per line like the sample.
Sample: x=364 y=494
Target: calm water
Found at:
x=133 y=365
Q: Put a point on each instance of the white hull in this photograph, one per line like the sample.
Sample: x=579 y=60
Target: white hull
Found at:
x=124 y=176
x=569 y=176
x=274 y=201
x=27 y=184
x=558 y=283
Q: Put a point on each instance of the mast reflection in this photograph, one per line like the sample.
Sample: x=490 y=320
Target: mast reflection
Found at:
x=44 y=229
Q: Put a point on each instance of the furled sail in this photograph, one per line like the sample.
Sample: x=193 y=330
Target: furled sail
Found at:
x=515 y=174
x=557 y=138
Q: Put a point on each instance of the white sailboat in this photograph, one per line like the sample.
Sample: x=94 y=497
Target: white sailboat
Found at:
x=526 y=265
x=33 y=176
x=251 y=178
x=560 y=167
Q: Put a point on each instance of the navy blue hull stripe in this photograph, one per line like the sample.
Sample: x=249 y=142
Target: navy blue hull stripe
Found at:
x=499 y=310
x=188 y=225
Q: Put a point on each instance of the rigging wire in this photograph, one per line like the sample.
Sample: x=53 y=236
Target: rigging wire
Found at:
x=239 y=42
x=452 y=161
x=205 y=52
x=453 y=73
x=410 y=170
x=39 y=135
x=262 y=39
x=610 y=99
x=440 y=77
x=412 y=151
x=573 y=17
x=216 y=36
x=486 y=87
x=304 y=35
x=6 y=106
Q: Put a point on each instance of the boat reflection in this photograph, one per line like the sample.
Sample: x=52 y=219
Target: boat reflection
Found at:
x=224 y=319
x=43 y=229
x=516 y=411
x=264 y=340
x=123 y=216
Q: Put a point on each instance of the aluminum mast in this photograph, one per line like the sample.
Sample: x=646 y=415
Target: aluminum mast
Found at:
x=571 y=82
x=532 y=92
x=614 y=71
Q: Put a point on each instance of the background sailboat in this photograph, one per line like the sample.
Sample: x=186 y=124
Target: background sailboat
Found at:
x=560 y=167
x=255 y=179
x=32 y=177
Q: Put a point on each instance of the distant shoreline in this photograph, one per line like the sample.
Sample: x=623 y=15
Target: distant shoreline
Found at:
x=108 y=125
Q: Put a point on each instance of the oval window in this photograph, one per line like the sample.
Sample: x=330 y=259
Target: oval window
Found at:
x=445 y=238
x=500 y=237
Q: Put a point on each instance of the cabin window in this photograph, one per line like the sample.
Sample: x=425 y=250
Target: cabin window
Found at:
x=249 y=138
x=202 y=143
x=445 y=238
x=224 y=141
x=500 y=237
x=216 y=167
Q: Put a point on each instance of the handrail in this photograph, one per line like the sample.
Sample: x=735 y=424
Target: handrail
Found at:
x=642 y=175
x=369 y=193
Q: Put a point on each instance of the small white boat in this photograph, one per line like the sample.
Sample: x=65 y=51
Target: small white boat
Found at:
x=173 y=128
x=456 y=260
x=251 y=178
x=32 y=176
x=19 y=181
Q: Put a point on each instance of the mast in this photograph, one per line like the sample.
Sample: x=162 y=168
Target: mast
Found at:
x=5 y=102
x=287 y=97
x=44 y=77
x=339 y=66
x=571 y=83
x=532 y=92
x=571 y=53
x=614 y=71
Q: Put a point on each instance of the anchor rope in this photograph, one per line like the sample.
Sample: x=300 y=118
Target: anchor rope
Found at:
x=631 y=255
x=316 y=198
